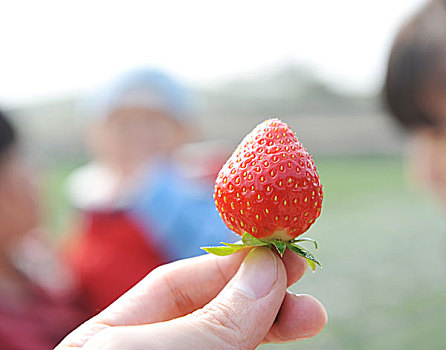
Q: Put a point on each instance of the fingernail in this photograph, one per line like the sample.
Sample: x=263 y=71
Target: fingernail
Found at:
x=257 y=273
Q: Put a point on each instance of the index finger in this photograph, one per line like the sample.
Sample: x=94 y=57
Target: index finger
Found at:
x=182 y=287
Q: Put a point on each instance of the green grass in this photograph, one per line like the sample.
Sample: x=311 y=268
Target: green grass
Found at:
x=57 y=210
x=382 y=247
x=383 y=250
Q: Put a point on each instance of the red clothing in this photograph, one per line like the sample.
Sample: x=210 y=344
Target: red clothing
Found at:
x=39 y=322
x=111 y=255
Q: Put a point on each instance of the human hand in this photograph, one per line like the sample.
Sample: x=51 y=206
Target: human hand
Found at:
x=208 y=302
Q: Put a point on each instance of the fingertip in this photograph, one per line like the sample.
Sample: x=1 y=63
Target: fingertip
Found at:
x=246 y=308
x=301 y=316
x=282 y=273
x=262 y=258
x=295 y=266
x=319 y=318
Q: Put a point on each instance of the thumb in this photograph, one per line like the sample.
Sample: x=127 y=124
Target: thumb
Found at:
x=244 y=311
x=242 y=314
x=238 y=318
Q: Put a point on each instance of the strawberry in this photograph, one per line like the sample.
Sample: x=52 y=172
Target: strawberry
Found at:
x=269 y=191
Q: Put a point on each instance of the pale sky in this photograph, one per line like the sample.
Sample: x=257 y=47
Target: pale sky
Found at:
x=51 y=49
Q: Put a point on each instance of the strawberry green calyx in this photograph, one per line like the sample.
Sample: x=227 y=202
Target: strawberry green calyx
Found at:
x=249 y=241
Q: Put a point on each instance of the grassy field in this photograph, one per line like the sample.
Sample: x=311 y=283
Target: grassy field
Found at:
x=383 y=250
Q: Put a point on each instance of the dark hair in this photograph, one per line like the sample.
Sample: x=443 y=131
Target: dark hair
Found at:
x=414 y=59
x=8 y=136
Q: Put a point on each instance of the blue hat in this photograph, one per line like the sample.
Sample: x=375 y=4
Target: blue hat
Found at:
x=148 y=88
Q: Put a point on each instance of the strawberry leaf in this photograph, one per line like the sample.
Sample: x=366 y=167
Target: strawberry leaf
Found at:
x=306 y=240
x=252 y=241
x=234 y=245
x=280 y=246
x=311 y=260
x=312 y=264
x=223 y=250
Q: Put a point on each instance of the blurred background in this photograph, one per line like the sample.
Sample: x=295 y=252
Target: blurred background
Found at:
x=317 y=65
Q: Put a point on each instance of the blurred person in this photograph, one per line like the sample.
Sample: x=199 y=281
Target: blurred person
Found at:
x=146 y=198
x=415 y=91
x=38 y=302
x=208 y=302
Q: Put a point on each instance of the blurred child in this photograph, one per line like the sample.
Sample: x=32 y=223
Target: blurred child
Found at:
x=139 y=206
x=415 y=91
x=37 y=302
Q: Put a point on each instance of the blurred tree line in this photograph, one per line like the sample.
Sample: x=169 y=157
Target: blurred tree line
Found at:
x=327 y=121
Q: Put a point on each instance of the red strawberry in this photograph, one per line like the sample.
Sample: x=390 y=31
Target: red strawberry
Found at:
x=269 y=187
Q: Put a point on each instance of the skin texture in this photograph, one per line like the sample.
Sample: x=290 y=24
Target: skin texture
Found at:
x=208 y=302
